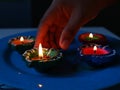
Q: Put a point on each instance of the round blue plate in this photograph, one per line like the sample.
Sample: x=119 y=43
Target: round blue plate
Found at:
x=71 y=75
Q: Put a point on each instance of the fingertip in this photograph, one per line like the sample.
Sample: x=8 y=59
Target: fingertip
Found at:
x=37 y=42
x=66 y=38
x=64 y=44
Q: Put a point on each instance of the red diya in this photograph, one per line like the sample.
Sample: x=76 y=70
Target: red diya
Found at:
x=93 y=38
x=42 y=58
x=21 y=40
x=97 y=55
x=22 y=43
x=94 y=51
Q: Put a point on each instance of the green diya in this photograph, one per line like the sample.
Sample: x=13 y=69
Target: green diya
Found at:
x=42 y=58
x=22 y=43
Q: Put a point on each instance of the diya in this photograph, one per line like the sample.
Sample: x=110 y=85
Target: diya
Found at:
x=22 y=43
x=97 y=55
x=42 y=58
x=92 y=38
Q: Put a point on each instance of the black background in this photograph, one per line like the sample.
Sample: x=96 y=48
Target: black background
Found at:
x=27 y=14
x=108 y=18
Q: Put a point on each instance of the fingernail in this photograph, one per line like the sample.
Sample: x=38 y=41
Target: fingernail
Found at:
x=65 y=44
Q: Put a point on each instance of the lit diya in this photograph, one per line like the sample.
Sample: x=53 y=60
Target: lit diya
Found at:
x=97 y=55
x=42 y=58
x=92 y=38
x=22 y=43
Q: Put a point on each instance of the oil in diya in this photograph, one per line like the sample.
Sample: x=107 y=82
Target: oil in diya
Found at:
x=22 y=43
x=42 y=58
x=97 y=55
x=92 y=38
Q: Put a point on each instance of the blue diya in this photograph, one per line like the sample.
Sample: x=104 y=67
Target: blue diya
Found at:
x=97 y=55
x=22 y=43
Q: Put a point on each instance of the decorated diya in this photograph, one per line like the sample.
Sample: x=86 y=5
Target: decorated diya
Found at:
x=97 y=55
x=22 y=43
x=42 y=58
x=92 y=38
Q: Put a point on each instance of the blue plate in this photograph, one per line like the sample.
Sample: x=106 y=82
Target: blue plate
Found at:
x=72 y=75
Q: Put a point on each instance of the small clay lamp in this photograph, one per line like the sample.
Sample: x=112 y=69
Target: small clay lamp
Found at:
x=97 y=55
x=22 y=43
x=96 y=38
x=42 y=58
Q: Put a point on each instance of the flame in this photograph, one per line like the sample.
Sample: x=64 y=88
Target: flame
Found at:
x=90 y=35
x=40 y=51
x=95 y=48
x=21 y=39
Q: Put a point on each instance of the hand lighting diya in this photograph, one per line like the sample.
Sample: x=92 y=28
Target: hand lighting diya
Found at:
x=42 y=58
x=92 y=38
x=97 y=55
x=22 y=43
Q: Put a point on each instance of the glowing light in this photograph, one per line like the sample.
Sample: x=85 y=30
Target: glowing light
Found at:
x=19 y=73
x=40 y=51
x=40 y=85
x=95 y=48
x=21 y=39
x=90 y=35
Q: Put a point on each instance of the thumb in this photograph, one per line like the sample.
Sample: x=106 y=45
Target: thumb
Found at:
x=70 y=30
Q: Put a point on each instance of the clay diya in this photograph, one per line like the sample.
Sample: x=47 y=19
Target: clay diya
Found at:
x=42 y=58
x=22 y=43
x=96 y=38
x=97 y=55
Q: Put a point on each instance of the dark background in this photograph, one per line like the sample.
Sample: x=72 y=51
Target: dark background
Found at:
x=27 y=14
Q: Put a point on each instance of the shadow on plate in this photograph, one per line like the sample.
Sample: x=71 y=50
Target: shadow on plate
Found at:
x=6 y=87
x=68 y=66
x=114 y=87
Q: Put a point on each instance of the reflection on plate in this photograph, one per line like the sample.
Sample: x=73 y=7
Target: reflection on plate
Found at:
x=72 y=74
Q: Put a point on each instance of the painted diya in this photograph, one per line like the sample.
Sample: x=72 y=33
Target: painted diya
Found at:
x=42 y=58
x=92 y=38
x=97 y=55
x=22 y=43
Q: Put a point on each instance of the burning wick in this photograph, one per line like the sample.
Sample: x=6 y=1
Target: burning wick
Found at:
x=95 y=49
x=90 y=35
x=22 y=39
x=40 y=51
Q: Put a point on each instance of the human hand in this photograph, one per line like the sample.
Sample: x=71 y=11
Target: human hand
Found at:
x=64 y=18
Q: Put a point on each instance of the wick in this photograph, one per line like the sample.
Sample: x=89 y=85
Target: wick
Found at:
x=90 y=38
x=94 y=51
